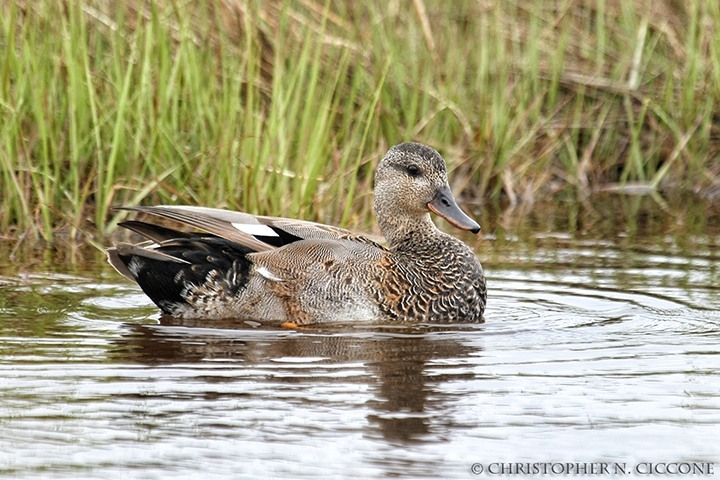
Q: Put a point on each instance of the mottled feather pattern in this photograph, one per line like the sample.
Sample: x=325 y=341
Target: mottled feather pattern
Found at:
x=440 y=285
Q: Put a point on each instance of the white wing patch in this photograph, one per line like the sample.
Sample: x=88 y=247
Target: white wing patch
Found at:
x=267 y=274
x=255 y=229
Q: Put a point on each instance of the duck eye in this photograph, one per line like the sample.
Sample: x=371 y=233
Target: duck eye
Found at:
x=413 y=170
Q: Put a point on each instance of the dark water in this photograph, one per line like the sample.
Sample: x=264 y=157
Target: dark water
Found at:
x=602 y=344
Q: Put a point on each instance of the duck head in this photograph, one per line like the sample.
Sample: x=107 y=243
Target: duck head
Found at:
x=411 y=181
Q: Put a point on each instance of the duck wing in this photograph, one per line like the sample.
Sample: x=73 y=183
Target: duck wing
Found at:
x=256 y=232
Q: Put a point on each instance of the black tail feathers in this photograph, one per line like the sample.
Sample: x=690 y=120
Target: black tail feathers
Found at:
x=177 y=272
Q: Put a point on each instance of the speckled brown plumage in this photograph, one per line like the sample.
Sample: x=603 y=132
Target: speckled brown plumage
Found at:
x=277 y=269
x=440 y=282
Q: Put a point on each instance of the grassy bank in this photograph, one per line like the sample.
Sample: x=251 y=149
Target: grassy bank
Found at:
x=285 y=107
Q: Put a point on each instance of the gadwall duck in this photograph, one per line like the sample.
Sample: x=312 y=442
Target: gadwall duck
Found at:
x=297 y=272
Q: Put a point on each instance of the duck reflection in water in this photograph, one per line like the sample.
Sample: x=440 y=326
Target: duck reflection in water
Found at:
x=406 y=403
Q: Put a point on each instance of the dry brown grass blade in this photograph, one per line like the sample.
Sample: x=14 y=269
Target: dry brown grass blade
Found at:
x=422 y=14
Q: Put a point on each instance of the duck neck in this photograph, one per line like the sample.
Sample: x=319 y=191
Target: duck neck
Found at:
x=407 y=232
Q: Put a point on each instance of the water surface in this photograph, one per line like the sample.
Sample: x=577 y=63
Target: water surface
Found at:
x=602 y=344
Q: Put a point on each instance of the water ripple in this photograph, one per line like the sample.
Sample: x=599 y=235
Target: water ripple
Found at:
x=586 y=355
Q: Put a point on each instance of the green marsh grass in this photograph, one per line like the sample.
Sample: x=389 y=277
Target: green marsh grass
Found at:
x=285 y=107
